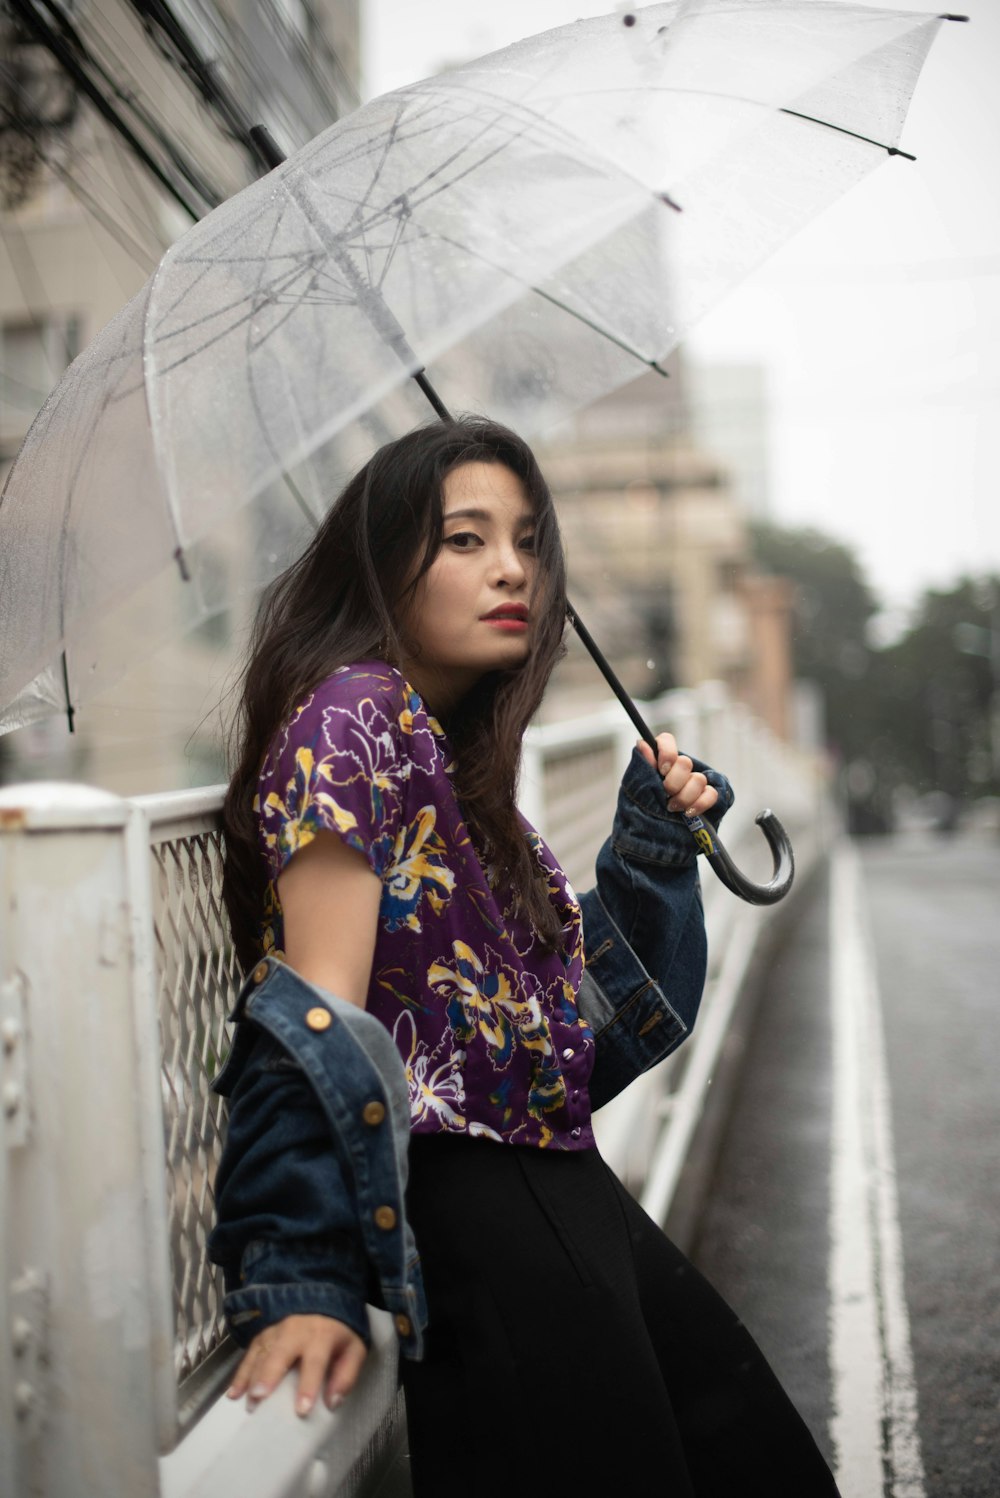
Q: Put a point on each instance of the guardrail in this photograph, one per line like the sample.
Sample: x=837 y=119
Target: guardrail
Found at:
x=116 y=974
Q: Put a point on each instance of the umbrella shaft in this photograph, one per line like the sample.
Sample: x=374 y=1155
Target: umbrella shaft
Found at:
x=606 y=670
x=367 y=297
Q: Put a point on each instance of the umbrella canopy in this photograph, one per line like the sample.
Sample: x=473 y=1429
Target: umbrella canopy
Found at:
x=533 y=229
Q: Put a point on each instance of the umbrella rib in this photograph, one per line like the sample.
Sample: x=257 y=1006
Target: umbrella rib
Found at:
x=179 y=554
x=388 y=142
x=256 y=304
x=418 y=127
x=298 y=302
x=297 y=494
x=210 y=262
x=262 y=422
x=843 y=130
x=230 y=327
x=602 y=332
x=381 y=214
x=707 y=93
x=390 y=250
x=548 y=297
x=184 y=292
x=440 y=187
x=558 y=138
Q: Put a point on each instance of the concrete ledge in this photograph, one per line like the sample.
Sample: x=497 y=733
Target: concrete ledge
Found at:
x=273 y=1453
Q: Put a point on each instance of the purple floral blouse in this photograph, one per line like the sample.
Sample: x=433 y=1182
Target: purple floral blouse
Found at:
x=484 y=1018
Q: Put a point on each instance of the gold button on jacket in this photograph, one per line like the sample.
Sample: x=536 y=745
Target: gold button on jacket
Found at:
x=319 y=1018
x=385 y=1218
x=260 y=972
x=373 y=1112
x=404 y=1326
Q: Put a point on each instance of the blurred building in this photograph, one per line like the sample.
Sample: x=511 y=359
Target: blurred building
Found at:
x=729 y=410
x=659 y=554
x=121 y=124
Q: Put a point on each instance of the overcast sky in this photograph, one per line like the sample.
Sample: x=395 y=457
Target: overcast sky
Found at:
x=878 y=326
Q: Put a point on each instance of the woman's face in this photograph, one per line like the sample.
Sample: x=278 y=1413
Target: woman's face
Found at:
x=470 y=612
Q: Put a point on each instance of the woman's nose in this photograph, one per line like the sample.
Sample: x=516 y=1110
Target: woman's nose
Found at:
x=510 y=567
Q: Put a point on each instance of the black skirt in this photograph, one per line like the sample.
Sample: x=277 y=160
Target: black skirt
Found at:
x=573 y=1350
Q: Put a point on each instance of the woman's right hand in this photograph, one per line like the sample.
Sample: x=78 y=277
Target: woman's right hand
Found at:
x=328 y=1352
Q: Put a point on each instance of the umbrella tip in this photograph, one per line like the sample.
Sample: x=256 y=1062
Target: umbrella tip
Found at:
x=265 y=146
x=628 y=19
x=70 y=709
x=952 y=18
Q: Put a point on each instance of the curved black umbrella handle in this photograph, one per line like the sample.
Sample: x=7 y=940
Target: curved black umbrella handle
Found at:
x=705 y=836
x=781 y=852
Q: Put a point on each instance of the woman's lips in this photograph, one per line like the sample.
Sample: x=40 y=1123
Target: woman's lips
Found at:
x=515 y=611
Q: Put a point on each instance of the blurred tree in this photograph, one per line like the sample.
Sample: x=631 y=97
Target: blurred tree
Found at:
x=922 y=713
x=830 y=646
x=941 y=690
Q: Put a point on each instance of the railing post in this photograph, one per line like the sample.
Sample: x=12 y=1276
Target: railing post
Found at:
x=75 y=1223
x=8 y=1359
x=531 y=784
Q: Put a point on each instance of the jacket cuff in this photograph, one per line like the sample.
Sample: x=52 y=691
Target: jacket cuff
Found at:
x=645 y=830
x=301 y=1287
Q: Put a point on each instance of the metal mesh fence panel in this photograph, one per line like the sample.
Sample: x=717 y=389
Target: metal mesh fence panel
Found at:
x=198 y=978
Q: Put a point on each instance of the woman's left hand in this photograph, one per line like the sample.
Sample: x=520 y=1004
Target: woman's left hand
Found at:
x=687 y=789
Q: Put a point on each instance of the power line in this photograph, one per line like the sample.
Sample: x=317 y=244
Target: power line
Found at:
x=159 y=14
x=130 y=98
x=64 y=55
x=141 y=255
x=89 y=63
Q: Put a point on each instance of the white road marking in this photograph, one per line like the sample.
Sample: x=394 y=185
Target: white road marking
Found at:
x=874 y=1422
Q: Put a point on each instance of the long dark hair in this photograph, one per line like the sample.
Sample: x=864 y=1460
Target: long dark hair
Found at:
x=340 y=602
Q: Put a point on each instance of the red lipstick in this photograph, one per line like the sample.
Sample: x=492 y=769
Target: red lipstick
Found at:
x=514 y=613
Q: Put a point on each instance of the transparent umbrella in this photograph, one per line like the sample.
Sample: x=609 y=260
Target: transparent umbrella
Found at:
x=530 y=231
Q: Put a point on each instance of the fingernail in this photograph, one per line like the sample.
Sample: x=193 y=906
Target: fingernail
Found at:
x=673 y=806
x=334 y=1401
x=258 y=1391
x=303 y=1404
x=232 y=1392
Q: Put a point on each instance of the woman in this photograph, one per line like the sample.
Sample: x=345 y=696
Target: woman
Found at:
x=417 y=963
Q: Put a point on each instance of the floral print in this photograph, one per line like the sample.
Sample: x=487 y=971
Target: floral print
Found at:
x=419 y=871
x=484 y=1018
x=306 y=807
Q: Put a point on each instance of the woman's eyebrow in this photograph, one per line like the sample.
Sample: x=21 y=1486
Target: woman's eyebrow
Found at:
x=486 y=517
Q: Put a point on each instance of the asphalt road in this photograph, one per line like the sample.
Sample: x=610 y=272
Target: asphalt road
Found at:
x=853 y=1214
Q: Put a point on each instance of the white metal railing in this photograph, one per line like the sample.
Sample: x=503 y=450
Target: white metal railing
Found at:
x=116 y=973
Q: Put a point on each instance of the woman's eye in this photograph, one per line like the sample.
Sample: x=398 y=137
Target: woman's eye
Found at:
x=464 y=540
x=528 y=544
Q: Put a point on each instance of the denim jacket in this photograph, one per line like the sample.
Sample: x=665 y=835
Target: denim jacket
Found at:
x=644 y=932
x=310 y=1191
